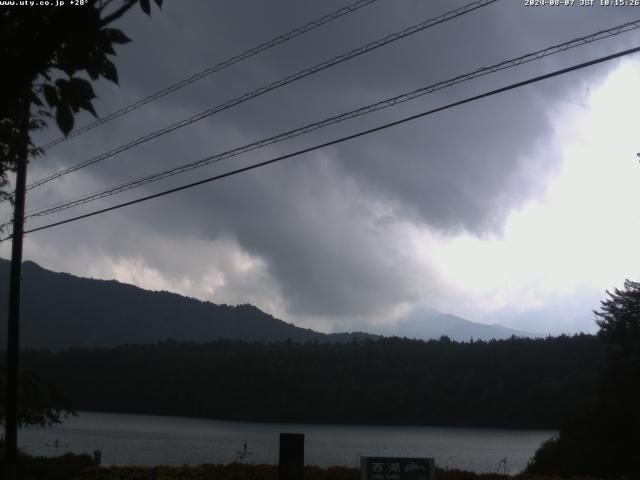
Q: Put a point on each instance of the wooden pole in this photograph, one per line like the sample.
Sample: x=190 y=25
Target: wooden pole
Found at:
x=13 y=333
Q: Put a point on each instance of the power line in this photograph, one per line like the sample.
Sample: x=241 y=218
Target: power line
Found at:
x=272 y=86
x=552 y=50
x=296 y=32
x=339 y=140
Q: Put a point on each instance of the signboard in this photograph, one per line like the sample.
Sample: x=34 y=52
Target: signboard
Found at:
x=397 y=468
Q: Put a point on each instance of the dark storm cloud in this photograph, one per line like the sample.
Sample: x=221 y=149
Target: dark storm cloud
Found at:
x=329 y=226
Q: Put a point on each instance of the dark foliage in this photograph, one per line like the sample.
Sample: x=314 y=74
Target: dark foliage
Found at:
x=604 y=439
x=45 y=51
x=50 y=468
x=41 y=404
x=236 y=471
x=619 y=322
x=508 y=383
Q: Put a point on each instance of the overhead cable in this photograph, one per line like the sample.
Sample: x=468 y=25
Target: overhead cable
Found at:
x=405 y=97
x=272 y=86
x=296 y=32
x=337 y=141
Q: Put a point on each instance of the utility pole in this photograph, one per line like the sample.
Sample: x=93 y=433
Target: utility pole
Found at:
x=13 y=333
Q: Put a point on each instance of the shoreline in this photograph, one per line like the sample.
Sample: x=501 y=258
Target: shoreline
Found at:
x=320 y=423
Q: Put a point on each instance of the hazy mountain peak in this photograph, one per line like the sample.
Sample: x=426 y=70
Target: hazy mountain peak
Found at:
x=426 y=323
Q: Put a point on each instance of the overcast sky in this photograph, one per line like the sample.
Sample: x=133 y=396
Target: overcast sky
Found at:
x=519 y=209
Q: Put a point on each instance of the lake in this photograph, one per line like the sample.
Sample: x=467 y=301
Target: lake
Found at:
x=153 y=440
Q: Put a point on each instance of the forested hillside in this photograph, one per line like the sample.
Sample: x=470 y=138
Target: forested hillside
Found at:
x=533 y=383
x=61 y=311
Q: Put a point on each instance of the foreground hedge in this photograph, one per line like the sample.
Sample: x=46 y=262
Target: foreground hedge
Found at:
x=81 y=467
x=264 y=472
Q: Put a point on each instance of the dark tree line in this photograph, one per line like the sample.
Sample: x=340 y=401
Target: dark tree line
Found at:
x=529 y=383
x=603 y=439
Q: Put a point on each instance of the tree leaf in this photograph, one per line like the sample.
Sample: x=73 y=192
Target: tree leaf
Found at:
x=108 y=70
x=61 y=83
x=81 y=89
x=35 y=99
x=145 y=6
x=71 y=57
x=66 y=95
x=93 y=70
x=64 y=118
x=51 y=95
x=86 y=105
x=74 y=92
x=37 y=124
x=107 y=48
x=93 y=65
x=115 y=36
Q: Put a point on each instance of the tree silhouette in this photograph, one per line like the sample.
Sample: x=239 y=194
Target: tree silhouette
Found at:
x=604 y=440
x=619 y=322
x=43 y=49
x=41 y=404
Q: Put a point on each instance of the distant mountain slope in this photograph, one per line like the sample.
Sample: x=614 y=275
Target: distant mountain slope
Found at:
x=428 y=323
x=61 y=310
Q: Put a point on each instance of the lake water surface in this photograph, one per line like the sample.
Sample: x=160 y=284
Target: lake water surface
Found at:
x=152 y=440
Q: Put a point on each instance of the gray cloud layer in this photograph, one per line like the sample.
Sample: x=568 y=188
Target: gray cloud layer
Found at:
x=324 y=233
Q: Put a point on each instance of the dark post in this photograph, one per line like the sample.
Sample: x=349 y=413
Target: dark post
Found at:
x=291 y=464
x=13 y=329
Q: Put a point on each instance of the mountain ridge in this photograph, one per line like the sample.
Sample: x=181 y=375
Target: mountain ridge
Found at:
x=427 y=323
x=61 y=310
